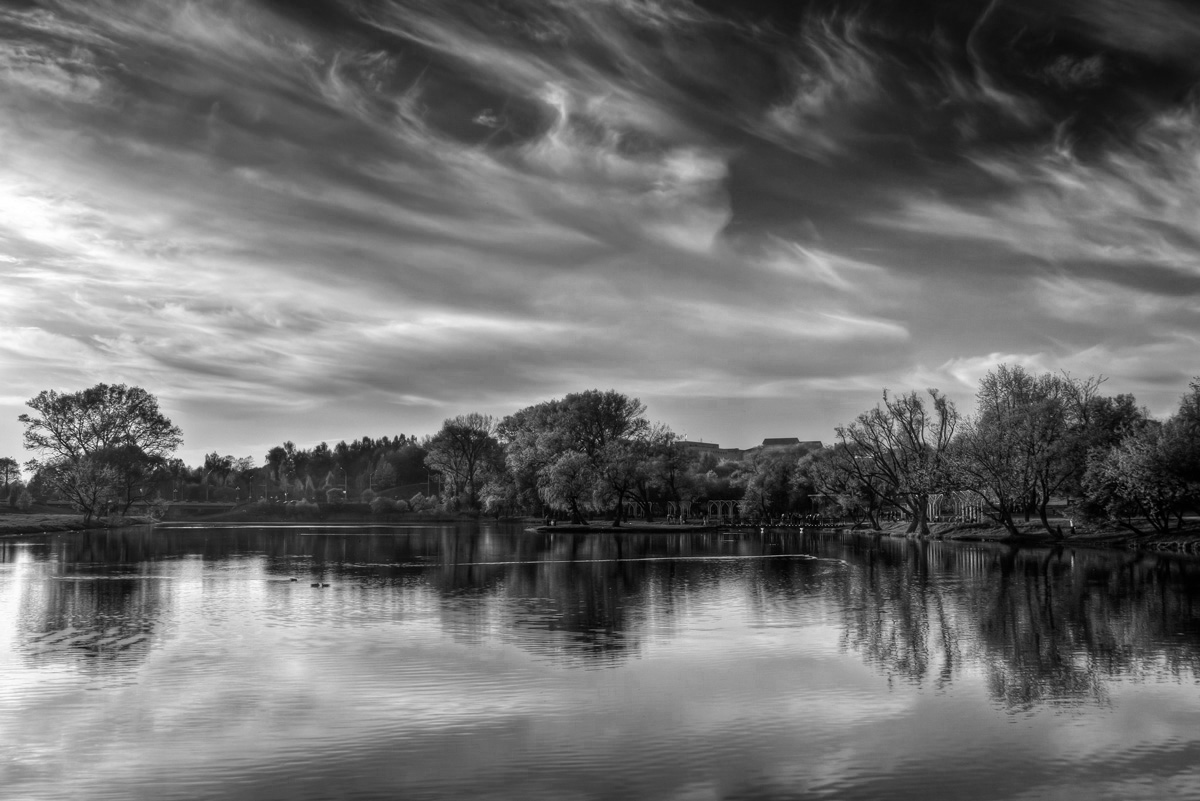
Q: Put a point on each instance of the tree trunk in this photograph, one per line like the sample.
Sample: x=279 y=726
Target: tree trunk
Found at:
x=1009 y=524
x=921 y=518
x=1046 y=522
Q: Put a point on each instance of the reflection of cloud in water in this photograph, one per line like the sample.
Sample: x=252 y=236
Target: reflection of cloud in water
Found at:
x=104 y=628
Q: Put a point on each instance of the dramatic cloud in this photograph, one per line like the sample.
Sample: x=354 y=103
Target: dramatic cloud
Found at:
x=314 y=221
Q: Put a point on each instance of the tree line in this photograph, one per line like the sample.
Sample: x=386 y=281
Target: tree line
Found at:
x=1034 y=441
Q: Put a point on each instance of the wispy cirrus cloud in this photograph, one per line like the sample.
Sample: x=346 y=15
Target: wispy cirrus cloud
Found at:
x=440 y=207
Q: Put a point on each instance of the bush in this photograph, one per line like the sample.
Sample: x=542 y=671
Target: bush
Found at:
x=368 y=495
x=420 y=503
x=24 y=500
x=158 y=506
x=301 y=508
x=381 y=506
x=335 y=496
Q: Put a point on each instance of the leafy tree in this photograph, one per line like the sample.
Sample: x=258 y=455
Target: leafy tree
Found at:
x=1139 y=479
x=664 y=470
x=135 y=472
x=108 y=433
x=279 y=464
x=1185 y=436
x=461 y=451
x=499 y=494
x=9 y=471
x=217 y=469
x=620 y=466
x=593 y=420
x=849 y=481
x=88 y=484
x=601 y=426
x=1011 y=452
x=771 y=482
x=321 y=463
x=384 y=476
x=568 y=483
x=532 y=440
x=1152 y=474
x=1099 y=423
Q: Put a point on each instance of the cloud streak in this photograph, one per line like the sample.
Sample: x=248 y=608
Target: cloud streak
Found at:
x=363 y=215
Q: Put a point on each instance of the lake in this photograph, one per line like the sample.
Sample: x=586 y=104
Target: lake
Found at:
x=453 y=662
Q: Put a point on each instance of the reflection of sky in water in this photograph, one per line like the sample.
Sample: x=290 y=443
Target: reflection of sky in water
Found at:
x=204 y=671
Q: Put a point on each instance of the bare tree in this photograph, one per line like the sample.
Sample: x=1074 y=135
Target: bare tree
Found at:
x=904 y=446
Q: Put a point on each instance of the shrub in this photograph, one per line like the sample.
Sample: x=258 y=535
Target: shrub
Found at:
x=420 y=503
x=368 y=495
x=382 y=506
x=300 y=508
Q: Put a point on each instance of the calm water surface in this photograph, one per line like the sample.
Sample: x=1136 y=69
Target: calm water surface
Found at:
x=488 y=662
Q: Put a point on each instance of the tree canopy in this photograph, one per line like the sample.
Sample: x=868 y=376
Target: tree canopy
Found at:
x=99 y=445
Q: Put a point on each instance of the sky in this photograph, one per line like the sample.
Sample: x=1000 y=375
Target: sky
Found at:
x=313 y=221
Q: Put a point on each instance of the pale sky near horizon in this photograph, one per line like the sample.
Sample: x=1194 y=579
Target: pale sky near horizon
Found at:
x=318 y=220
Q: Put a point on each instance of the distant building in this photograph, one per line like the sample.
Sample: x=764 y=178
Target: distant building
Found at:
x=738 y=454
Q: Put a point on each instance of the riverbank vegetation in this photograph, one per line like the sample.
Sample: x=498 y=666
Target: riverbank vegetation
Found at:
x=1044 y=451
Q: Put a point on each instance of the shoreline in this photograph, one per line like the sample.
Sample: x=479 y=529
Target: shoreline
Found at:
x=38 y=524
x=628 y=528
x=1181 y=540
x=1185 y=540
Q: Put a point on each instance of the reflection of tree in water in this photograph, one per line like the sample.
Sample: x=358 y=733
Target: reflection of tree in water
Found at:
x=889 y=612
x=576 y=599
x=582 y=599
x=1045 y=625
x=1041 y=625
x=84 y=612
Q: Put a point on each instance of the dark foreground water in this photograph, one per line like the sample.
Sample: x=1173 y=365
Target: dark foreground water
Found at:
x=456 y=663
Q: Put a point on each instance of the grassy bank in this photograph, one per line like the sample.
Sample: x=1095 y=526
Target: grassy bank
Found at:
x=322 y=513
x=17 y=523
